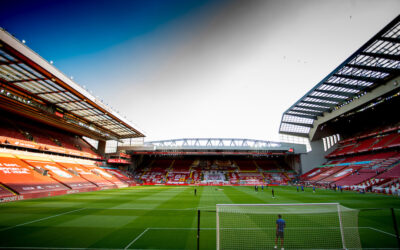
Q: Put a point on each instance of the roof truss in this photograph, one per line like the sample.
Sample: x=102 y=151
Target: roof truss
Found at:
x=375 y=63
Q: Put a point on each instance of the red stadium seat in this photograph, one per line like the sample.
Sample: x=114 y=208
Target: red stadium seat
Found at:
x=22 y=178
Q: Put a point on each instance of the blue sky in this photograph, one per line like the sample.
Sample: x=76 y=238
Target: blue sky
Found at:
x=65 y=29
x=198 y=68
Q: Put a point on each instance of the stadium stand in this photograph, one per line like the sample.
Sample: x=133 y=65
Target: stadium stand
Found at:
x=22 y=178
x=102 y=173
x=72 y=166
x=215 y=172
x=56 y=172
x=121 y=175
x=370 y=161
x=5 y=192
x=20 y=132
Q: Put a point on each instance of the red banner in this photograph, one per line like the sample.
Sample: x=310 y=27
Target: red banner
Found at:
x=121 y=161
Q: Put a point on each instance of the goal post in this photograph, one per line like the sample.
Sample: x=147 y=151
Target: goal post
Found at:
x=306 y=226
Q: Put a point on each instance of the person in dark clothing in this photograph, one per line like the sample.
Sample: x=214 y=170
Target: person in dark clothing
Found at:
x=195 y=192
x=280 y=226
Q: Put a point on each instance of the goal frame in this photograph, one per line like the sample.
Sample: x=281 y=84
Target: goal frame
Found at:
x=287 y=204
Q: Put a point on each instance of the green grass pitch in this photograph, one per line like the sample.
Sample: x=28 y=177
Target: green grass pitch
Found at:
x=164 y=217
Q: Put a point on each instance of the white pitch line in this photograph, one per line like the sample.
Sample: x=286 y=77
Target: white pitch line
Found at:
x=238 y=228
x=45 y=218
x=89 y=248
x=59 y=248
x=381 y=231
x=133 y=241
x=77 y=248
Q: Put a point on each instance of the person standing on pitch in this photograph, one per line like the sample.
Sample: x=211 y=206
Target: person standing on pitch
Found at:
x=280 y=226
x=313 y=189
x=302 y=188
x=297 y=188
x=195 y=192
x=273 y=193
x=262 y=187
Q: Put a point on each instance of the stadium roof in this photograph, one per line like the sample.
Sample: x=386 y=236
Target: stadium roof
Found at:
x=23 y=70
x=371 y=66
x=216 y=146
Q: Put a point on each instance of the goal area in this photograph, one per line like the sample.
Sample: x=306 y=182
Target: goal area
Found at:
x=306 y=226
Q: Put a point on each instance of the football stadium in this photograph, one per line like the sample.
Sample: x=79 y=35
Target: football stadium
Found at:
x=336 y=187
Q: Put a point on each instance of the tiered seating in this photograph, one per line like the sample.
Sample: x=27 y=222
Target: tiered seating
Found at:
x=276 y=178
x=316 y=176
x=21 y=178
x=340 y=174
x=156 y=174
x=395 y=142
x=307 y=175
x=85 y=173
x=38 y=135
x=373 y=169
x=356 y=178
x=390 y=187
x=161 y=164
x=212 y=172
x=370 y=142
x=57 y=172
x=266 y=164
x=4 y=192
x=291 y=175
x=254 y=178
x=179 y=172
x=365 y=145
x=194 y=176
x=181 y=166
x=384 y=141
x=214 y=176
x=224 y=165
x=28 y=134
x=392 y=173
x=121 y=175
x=233 y=178
x=343 y=149
x=246 y=165
x=9 y=130
x=177 y=178
x=153 y=177
x=102 y=173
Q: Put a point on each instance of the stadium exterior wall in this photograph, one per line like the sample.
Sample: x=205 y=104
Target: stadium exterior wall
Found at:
x=314 y=158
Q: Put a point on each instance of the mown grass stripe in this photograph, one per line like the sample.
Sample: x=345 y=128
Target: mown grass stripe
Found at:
x=45 y=218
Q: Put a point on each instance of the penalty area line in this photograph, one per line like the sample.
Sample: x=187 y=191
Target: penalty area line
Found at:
x=381 y=231
x=45 y=218
x=140 y=235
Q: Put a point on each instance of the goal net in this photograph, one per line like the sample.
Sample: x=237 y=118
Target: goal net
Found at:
x=306 y=226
